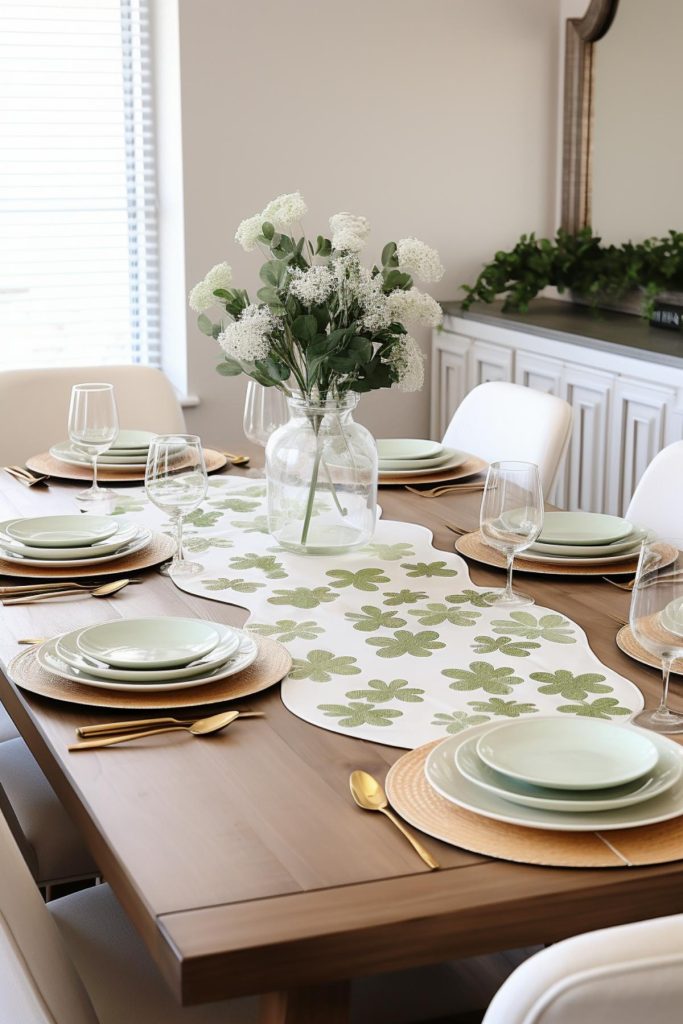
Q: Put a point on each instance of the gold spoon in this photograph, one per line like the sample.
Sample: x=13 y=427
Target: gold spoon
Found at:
x=237 y=460
x=202 y=727
x=369 y=795
x=119 y=728
x=106 y=590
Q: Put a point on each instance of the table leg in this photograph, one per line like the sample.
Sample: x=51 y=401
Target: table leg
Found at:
x=320 y=1004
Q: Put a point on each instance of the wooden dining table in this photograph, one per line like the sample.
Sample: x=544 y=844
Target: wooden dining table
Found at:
x=242 y=860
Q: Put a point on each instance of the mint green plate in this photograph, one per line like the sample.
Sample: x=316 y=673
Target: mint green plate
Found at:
x=407 y=448
x=629 y=544
x=583 y=528
x=149 y=643
x=140 y=439
x=60 y=531
x=124 y=535
x=408 y=465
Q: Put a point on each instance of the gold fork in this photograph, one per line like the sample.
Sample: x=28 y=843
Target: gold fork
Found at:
x=23 y=476
x=438 y=492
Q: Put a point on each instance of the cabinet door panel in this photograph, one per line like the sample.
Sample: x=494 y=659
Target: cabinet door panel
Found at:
x=585 y=474
x=637 y=433
x=542 y=373
x=489 y=362
x=449 y=379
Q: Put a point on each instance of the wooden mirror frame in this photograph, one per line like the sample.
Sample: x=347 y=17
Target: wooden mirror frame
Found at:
x=581 y=34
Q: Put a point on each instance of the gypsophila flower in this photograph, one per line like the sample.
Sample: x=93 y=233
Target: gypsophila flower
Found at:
x=219 y=276
x=201 y=297
x=414 y=305
x=414 y=257
x=349 y=232
x=408 y=362
x=247 y=339
x=285 y=210
x=312 y=286
x=248 y=232
x=367 y=291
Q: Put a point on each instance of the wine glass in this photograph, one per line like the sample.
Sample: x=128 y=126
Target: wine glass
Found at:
x=176 y=482
x=265 y=409
x=93 y=428
x=656 y=620
x=511 y=517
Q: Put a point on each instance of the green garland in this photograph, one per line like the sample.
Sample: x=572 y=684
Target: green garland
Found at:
x=581 y=263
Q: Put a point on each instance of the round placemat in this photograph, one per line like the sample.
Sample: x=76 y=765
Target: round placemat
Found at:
x=472 y=546
x=414 y=799
x=158 y=550
x=273 y=662
x=627 y=643
x=471 y=467
x=46 y=463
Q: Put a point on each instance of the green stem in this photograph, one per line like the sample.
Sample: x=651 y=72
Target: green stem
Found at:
x=311 y=493
x=333 y=490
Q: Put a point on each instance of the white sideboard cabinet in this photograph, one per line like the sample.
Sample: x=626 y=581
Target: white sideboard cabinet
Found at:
x=623 y=379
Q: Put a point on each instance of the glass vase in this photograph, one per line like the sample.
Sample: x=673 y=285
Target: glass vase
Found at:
x=321 y=475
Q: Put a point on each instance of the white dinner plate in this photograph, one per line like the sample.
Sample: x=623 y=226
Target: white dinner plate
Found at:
x=139 y=541
x=664 y=774
x=453 y=462
x=140 y=439
x=565 y=752
x=60 y=531
x=243 y=657
x=125 y=535
x=65 y=453
x=66 y=647
x=443 y=775
x=629 y=544
x=407 y=448
x=584 y=528
x=159 y=642
x=408 y=465
x=671 y=617
x=534 y=556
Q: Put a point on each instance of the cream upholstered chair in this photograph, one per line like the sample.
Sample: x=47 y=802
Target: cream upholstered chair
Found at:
x=629 y=974
x=658 y=499
x=498 y=421
x=38 y=401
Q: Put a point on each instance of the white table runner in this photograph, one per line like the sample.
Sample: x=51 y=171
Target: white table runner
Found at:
x=391 y=643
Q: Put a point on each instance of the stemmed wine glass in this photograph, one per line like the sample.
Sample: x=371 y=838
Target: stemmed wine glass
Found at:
x=93 y=428
x=265 y=409
x=511 y=517
x=656 y=620
x=176 y=482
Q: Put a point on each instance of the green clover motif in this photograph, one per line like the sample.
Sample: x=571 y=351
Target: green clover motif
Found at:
x=428 y=569
x=255 y=491
x=381 y=693
x=482 y=676
x=569 y=686
x=396 y=597
x=199 y=544
x=435 y=614
x=391 y=552
x=287 y=630
x=125 y=505
x=259 y=524
x=420 y=645
x=304 y=597
x=235 y=504
x=320 y=666
x=201 y=518
x=364 y=579
x=355 y=714
x=268 y=564
x=475 y=597
x=504 y=644
x=504 y=708
x=554 y=628
x=370 y=618
x=603 y=707
x=238 y=585
x=458 y=721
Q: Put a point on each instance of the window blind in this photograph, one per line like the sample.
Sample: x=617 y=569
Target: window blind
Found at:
x=78 y=219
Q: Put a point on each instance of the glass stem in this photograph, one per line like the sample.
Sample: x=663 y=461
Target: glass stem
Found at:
x=663 y=708
x=94 y=472
x=509 y=558
x=179 y=557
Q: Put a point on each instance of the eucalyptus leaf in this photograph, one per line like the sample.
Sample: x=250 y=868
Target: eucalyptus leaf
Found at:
x=229 y=368
x=205 y=325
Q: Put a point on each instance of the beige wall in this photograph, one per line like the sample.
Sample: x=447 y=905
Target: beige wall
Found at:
x=434 y=119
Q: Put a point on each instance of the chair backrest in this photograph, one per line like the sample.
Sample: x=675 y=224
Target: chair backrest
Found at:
x=632 y=973
x=34 y=404
x=658 y=499
x=498 y=421
x=38 y=981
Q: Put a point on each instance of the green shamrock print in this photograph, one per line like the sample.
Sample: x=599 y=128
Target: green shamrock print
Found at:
x=255 y=491
x=569 y=686
x=504 y=708
x=482 y=676
x=320 y=666
x=199 y=544
x=259 y=524
x=287 y=630
x=554 y=628
x=457 y=721
x=420 y=645
x=603 y=707
x=235 y=504
x=381 y=693
x=428 y=569
x=391 y=552
x=435 y=614
x=364 y=579
x=369 y=619
x=504 y=644
x=238 y=585
x=124 y=505
x=304 y=597
x=201 y=518
x=268 y=564
x=396 y=597
x=479 y=600
x=354 y=714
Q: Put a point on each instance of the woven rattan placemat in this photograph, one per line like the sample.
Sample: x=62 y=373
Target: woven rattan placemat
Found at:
x=45 y=463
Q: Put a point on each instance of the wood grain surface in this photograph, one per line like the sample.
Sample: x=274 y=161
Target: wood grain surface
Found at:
x=241 y=858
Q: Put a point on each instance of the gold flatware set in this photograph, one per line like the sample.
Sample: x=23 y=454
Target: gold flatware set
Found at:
x=108 y=735
x=438 y=492
x=370 y=796
x=33 y=593
x=26 y=477
x=236 y=460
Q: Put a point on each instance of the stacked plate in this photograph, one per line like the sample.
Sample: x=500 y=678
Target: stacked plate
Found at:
x=565 y=774
x=129 y=452
x=585 y=538
x=149 y=654
x=69 y=541
x=415 y=457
